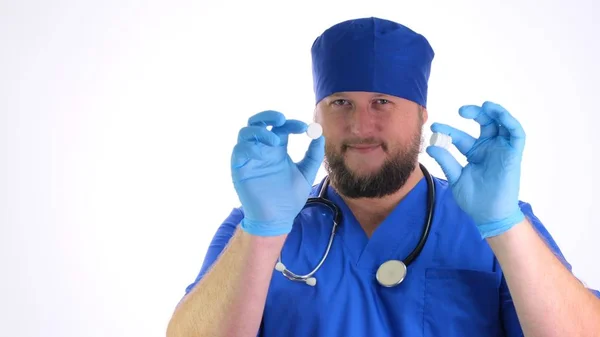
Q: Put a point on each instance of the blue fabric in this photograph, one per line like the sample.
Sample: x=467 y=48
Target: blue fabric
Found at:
x=372 y=54
x=455 y=287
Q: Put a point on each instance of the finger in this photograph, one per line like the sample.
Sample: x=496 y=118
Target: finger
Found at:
x=290 y=126
x=503 y=132
x=243 y=153
x=310 y=164
x=489 y=128
x=267 y=118
x=504 y=118
x=258 y=134
x=462 y=140
x=449 y=165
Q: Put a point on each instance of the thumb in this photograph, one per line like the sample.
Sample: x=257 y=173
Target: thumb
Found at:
x=447 y=162
x=309 y=165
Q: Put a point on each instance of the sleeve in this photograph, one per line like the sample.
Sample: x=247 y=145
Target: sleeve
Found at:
x=218 y=243
x=508 y=311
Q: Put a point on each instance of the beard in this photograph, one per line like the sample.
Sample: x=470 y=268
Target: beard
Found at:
x=388 y=179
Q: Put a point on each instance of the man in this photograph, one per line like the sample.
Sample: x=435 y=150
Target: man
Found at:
x=488 y=266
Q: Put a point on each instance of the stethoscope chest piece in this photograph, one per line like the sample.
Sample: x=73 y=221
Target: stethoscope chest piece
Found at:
x=391 y=273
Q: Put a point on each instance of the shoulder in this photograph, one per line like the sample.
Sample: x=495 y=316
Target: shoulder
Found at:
x=227 y=228
x=219 y=241
x=543 y=232
x=452 y=213
x=229 y=225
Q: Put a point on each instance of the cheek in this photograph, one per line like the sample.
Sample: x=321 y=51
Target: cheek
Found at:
x=400 y=137
x=332 y=128
x=333 y=144
x=333 y=132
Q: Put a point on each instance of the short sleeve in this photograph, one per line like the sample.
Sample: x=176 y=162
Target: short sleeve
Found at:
x=508 y=311
x=218 y=243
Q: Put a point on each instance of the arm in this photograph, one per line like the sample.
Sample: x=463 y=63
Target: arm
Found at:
x=549 y=300
x=229 y=299
x=546 y=297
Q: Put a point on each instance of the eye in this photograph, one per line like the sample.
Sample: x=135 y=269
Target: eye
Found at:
x=382 y=101
x=340 y=102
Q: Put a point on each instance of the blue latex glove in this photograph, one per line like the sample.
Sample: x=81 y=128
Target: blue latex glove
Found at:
x=271 y=187
x=487 y=188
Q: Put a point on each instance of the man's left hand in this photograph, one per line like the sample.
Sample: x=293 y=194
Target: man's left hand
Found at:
x=487 y=188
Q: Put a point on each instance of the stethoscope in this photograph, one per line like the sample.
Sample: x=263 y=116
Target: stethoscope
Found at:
x=390 y=273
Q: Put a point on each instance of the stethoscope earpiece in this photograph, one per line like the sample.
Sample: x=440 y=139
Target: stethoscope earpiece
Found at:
x=311 y=281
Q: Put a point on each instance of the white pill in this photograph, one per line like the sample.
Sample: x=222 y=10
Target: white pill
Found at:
x=314 y=130
x=440 y=140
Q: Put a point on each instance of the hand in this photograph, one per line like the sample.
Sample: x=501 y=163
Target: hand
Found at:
x=271 y=187
x=487 y=188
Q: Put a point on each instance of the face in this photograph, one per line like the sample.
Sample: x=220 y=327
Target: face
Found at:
x=372 y=141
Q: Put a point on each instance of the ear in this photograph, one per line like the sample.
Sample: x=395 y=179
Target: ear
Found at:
x=424 y=114
x=316 y=115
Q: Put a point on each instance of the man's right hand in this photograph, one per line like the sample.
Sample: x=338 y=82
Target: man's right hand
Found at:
x=271 y=187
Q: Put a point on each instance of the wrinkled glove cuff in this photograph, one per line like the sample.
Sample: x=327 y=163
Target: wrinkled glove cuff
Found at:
x=262 y=228
x=498 y=227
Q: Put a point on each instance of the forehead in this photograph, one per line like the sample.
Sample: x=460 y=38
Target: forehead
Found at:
x=359 y=95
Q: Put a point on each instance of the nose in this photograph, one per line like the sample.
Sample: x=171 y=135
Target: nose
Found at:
x=363 y=122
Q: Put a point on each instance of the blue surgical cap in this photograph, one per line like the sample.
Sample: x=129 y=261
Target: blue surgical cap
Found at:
x=374 y=55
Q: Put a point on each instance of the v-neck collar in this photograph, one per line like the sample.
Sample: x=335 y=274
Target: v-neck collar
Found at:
x=394 y=238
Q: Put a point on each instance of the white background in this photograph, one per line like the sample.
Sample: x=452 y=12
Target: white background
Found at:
x=118 y=119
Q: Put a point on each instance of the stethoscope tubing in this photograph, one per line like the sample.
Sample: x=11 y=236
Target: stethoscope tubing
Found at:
x=321 y=200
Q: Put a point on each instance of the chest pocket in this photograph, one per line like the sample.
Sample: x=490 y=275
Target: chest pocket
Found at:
x=460 y=302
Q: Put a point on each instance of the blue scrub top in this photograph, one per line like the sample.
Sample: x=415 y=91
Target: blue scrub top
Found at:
x=454 y=288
